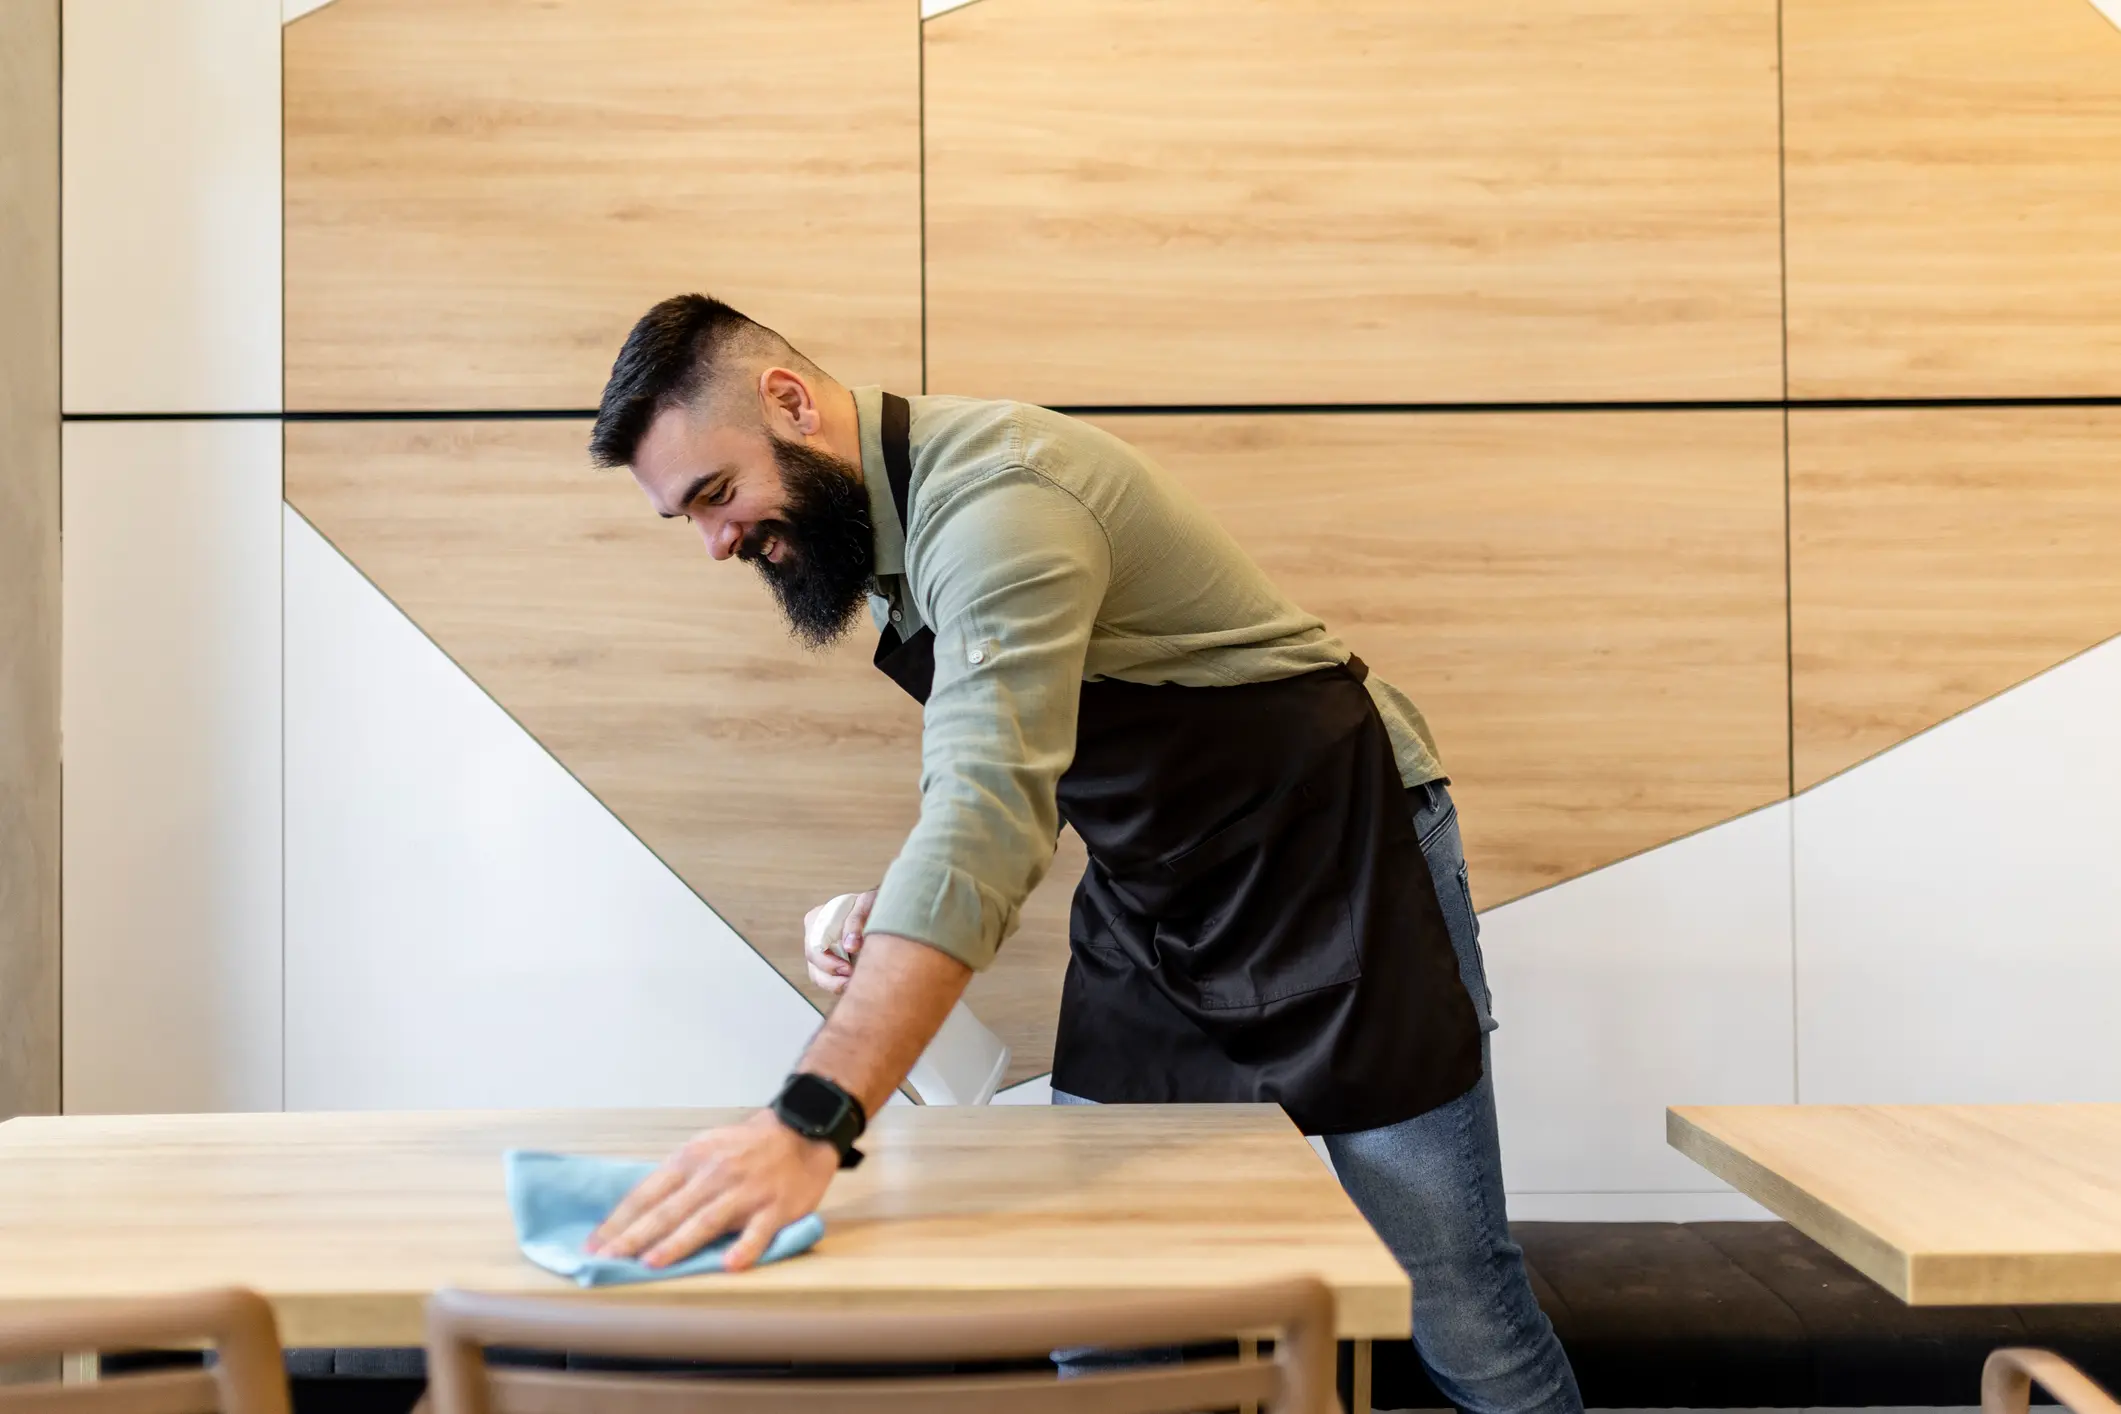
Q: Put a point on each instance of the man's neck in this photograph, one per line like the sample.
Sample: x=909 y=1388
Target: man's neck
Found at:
x=839 y=428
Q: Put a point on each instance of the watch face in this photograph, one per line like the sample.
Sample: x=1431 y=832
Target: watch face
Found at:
x=812 y=1103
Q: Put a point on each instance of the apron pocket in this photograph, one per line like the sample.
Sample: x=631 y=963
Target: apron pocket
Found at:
x=1314 y=952
x=1261 y=914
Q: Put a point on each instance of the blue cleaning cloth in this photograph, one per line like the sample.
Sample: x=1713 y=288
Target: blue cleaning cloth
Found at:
x=558 y=1200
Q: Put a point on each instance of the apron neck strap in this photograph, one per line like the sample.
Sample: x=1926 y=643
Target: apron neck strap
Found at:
x=898 y=459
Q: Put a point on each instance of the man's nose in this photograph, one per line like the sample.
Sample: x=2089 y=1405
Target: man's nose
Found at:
x=722 y=536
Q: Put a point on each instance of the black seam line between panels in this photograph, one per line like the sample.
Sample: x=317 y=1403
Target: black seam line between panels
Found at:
x=1174 y=409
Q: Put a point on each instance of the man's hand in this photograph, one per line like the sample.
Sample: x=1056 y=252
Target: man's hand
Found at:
x=757 y=1176
x=761 y=1175
x=827 y=969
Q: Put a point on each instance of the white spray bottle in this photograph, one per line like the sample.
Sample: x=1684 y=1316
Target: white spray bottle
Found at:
x=965 y=1062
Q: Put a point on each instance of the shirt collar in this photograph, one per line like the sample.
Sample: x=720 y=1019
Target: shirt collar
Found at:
x=883 y=514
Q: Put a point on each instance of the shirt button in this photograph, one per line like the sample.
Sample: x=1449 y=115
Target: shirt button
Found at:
x=897 y=617
x=977 y=655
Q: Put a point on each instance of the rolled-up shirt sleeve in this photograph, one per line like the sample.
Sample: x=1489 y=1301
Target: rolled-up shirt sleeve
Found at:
x=1010 y=573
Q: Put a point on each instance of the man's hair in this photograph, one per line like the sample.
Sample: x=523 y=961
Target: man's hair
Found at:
x=677 y=351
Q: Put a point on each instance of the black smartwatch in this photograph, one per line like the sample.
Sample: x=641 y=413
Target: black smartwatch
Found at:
x=816 y=1108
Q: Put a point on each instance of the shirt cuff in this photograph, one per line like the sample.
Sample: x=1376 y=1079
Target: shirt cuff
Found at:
x=946 y=908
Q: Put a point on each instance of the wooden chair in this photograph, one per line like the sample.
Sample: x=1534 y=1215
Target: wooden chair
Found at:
x=2008 y=1378
x=248 y=1378
x=1296 y=1379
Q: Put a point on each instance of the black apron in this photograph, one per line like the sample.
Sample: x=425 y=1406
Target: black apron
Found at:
x=1257 y=922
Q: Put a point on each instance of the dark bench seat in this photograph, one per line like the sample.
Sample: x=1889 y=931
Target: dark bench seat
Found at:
x=1755 y=1315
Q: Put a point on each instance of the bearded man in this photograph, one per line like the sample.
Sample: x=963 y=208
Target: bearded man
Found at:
x=1276 y=906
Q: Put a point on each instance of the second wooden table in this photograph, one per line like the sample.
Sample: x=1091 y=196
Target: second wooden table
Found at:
x=1942 y=1205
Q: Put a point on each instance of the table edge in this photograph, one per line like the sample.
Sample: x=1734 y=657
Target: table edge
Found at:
x=1687 y=1130
x=399 y=1319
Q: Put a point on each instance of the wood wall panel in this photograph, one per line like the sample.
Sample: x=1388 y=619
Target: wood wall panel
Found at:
x=1939 y=556
x=1275 y=201
x=1954 y=219
x=483 y=195
x=1589 y=607
x=768 y=777
x=29 y=557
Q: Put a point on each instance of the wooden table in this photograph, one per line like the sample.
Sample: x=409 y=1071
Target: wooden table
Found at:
x=345 y=1222
x=1942 y=1205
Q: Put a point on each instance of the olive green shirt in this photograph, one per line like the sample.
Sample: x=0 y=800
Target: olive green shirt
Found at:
x=1045 y=553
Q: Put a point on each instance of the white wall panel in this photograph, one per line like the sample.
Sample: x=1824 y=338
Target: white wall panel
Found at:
x=466 y=924
x=1038 y=1090
x=1661 y=980
x=1959 y=905
x=171 y=205
x=170 y=716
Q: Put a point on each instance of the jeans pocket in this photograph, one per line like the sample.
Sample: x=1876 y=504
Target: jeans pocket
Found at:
x=1435 y=813
x=1472 y=967
x=1465 y=891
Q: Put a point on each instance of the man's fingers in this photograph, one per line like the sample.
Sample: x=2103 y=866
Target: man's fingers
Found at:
x=751 y=1244
x=830 y=972
x=828 y=969
x=857 y=921
x=665 y=1217
x=645 y=1195
x=706 y=1223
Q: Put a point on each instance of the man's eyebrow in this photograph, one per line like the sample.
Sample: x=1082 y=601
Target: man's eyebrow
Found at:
x=692 y=493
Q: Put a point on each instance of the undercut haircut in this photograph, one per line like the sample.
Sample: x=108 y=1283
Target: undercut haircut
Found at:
x=678 y=351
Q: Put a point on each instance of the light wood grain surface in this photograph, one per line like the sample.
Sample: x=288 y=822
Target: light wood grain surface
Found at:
x=1943 y=1205
x=1939 y=556
x=1368 y=201
x=482 y=197
x=29 y=558
x=346 y=1221
x=770 y=778
x=1954 y=222
x=1588 y=607
x=1492 y=567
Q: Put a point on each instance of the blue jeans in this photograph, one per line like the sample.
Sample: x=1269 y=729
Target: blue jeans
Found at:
x=1432 y=1187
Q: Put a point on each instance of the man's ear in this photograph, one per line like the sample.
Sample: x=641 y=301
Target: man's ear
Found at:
x=790 y=409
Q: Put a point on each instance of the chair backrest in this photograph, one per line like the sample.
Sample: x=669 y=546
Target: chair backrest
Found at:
x=1297 y=1379
x=250 y=1377
x=2008 y=1378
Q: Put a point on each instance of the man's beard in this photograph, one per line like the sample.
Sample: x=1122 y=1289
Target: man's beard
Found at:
x=829 y=545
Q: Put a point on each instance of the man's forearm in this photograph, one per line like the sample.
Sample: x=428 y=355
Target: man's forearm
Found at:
x=892 y=1008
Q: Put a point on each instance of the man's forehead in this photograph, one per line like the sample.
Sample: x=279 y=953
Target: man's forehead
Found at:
x=667 y=441
x=676 y=448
